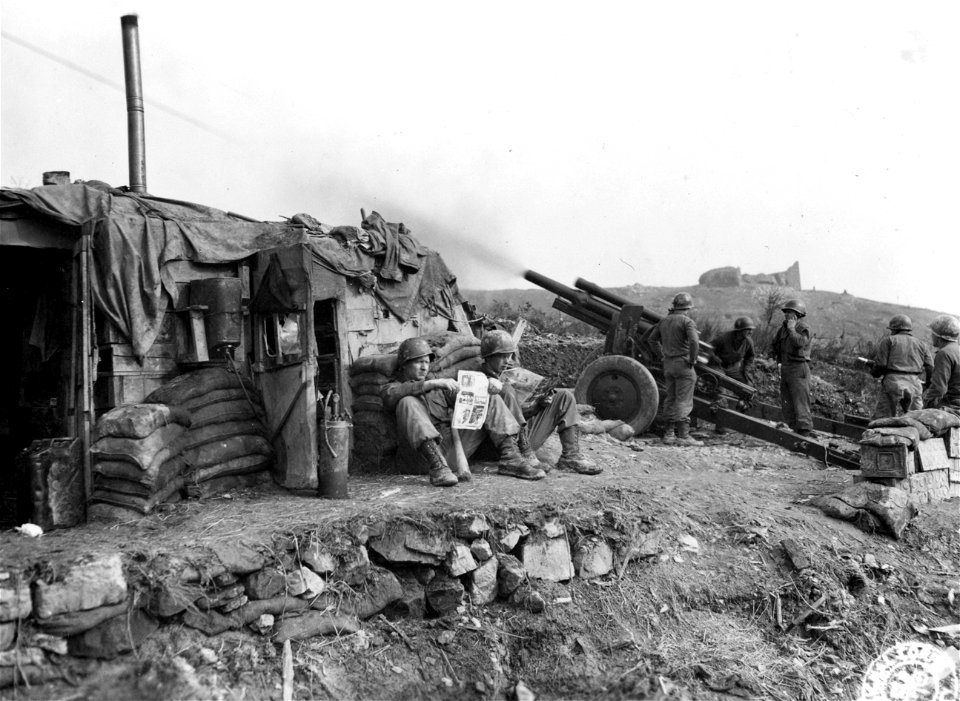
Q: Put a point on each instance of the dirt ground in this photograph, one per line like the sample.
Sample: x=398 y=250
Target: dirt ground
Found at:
x=716 y=612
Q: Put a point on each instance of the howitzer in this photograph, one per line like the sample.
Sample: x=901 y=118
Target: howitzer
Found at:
x=627 y=381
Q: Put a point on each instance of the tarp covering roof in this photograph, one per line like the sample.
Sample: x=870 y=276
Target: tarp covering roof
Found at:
x=135 y=237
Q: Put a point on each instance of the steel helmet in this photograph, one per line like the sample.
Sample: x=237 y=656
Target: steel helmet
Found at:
x=900 y=322
x=496 y=342
x=743 y=323
x=411 y=349
x=794 y=305
x=682 y=301
x=946 y=327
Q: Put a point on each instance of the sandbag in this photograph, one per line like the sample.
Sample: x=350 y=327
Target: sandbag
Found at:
x=138 y=420
x=367 y=403
x=217 y=452
x=457 y=356
x=368 y=390
x=223 y=395
x=149 y=452
x=195 y=384
x=151 y=479
x=235 y=466
x=220 y=485
x=472 y=364
x=218 y=432
x=144 y=505
x=871 y=507
x=937 y=420
x=453 y=343
x=368 y=378
x=385 y=364
x=890 y=435
x=221 y=412
x=902 y=421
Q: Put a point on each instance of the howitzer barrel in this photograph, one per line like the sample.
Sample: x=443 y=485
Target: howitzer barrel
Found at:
x=582 y=299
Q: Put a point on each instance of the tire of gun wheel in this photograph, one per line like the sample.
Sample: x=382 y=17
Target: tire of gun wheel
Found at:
x=619 y=387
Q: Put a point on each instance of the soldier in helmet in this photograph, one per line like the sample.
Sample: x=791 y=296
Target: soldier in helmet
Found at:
x=555 y=411
x=791 y=349
x=675 y=338
x=734 y=352
x=944 y=389
x=424 y=406
x=899 y=361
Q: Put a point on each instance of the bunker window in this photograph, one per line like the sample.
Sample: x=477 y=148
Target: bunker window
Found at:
x=280 y=340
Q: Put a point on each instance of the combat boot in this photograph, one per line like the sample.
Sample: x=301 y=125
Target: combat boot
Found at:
x=683 y=435
x=440 y=474
x=529 y=454
x=670 y=434
x=513 y=463
x=571 y=458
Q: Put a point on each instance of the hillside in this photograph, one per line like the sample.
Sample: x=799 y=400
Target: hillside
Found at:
x=832 y=315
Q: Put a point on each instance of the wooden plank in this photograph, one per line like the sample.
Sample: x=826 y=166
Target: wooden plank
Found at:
x=932 y=455
x=952 y=440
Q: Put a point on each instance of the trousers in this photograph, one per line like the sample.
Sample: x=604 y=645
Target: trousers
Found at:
x=560 y=413
x=680 y=381
x=795 y=396
x=898 y=394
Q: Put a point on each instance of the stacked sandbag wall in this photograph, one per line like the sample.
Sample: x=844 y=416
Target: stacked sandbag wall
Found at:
x=376 y=444
x=226 y=447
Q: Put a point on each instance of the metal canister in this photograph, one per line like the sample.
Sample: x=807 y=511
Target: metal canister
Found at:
x=223 y=320
x=334 y=463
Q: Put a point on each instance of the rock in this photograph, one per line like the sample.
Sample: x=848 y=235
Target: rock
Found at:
x=871 y=507
x=380 y=589
x=114 y=636
x=304 y=582
x=459 y=561
x=510 y=574
x=263 y=624
x=15 y=601
x=483 y=585
x=727 y=276
x=411 y=604
x=264 y=584
x=225 y=579
x=552 y=528
x=218 y=597
x=353 y=565
x=50 y=643
x=8 y=635
x=592 y=427
x=318 y=557
x=404 y=543
x=547 y=558
x=67 y=624
x=208 y=656
x=87 y=583
x=166 y=599
x=470 y=526
x=444 y=594
x=796 y=554
x=523 y=693
x=592 y=557
x=23 y=655
x=623 y=432
x=311 y=623
x=529 y=598
x=238 y=557
x=508 y=541
x=234 y=604
x=481 y=550
x=210 y=622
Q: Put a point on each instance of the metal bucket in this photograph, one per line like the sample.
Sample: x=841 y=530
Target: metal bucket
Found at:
x=334 y=460
x=223 y=319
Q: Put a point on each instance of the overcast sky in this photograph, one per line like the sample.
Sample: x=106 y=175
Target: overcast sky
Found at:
x=623 y=142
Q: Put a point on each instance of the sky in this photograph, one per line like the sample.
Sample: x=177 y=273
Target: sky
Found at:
x=623 y=142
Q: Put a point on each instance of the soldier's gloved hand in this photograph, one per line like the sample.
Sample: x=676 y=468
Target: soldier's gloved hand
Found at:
x=446 y=383
x=495 y=386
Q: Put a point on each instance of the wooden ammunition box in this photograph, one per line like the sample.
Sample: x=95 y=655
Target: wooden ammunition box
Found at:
x=888 y=461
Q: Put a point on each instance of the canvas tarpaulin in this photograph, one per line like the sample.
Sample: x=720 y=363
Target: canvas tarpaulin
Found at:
x=135 y=238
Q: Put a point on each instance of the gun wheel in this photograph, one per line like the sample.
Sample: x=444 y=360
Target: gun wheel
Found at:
x=619 y=387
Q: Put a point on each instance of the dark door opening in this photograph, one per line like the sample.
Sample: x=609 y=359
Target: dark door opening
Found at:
x=328 y=346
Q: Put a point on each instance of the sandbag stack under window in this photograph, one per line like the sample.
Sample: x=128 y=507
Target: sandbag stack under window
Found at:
x=136 y=456
x=226 y=446
x=374 y=430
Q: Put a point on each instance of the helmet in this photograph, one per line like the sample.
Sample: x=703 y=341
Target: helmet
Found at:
x=495 y=342
x=411 y=349
x=743 y=323
x=682 y=301
x=794 y=305
x=946 y=327
x=900 y=322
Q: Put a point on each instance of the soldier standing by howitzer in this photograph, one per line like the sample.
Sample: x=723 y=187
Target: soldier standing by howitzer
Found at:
x=943 y=391
x=791 y=350
x=675 y=339
x=734 y=353
x=899 y=361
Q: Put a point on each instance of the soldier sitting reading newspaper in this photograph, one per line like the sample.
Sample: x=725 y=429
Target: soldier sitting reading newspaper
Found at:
x=425 y=407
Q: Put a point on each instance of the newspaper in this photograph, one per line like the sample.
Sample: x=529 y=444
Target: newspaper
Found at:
x=470 y=409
